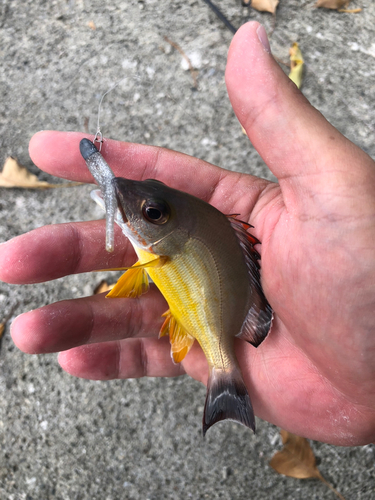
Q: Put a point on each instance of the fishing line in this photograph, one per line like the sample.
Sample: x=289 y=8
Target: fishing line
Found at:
x=147 y=88
x=98 y=135
x=101 y=171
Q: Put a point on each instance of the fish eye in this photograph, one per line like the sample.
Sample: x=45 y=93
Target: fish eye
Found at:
x=155 y=211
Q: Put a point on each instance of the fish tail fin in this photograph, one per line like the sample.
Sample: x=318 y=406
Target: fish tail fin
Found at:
x=227 y=398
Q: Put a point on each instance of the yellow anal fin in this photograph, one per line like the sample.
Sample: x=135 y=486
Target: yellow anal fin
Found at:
x=181 y=341
x=131 y=284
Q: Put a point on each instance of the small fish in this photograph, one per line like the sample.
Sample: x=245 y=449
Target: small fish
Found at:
x=205 y=265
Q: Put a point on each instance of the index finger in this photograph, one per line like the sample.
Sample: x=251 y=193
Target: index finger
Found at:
x=58 y=154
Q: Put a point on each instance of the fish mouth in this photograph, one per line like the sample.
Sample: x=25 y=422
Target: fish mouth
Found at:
x=120 y=198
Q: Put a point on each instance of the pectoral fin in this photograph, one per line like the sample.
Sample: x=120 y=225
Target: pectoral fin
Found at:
x=181 y=341
x=159 y=261
x=131 y=284
x=134 y=282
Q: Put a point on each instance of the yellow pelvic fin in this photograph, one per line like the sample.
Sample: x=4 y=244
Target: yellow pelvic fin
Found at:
x=131 y=284
x=181 y=341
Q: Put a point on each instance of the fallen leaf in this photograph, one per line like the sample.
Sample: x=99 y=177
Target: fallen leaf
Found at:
x=265 y=5
x=15 y=175
x=332 y=4
x=296 y=459
x=103 y=287
x=296 y=64
x=350 y=11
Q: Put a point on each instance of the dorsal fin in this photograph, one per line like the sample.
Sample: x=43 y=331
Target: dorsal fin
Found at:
x=181 y=341
x=259 y=318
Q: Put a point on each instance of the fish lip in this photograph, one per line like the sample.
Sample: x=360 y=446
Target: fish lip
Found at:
x=120 y=199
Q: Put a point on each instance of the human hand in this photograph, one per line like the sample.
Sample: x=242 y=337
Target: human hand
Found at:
x=314 y=375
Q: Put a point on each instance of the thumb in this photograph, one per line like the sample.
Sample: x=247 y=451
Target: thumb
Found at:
x=310 y=158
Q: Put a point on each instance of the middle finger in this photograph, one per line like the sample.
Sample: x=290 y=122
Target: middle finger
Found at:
x=51 y=252
x=71 y=323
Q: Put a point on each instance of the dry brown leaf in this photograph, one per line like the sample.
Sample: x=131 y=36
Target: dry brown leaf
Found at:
x=340 y=5
x=296 y=459
x=350 y=11
x=15 y=175
x=296 y=64
x=265 y=5
x=103 y=287
x=332 y=4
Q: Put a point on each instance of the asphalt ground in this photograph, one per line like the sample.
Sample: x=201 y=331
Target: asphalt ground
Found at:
x=66 y=438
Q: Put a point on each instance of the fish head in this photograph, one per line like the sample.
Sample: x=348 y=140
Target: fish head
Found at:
x=152 y=214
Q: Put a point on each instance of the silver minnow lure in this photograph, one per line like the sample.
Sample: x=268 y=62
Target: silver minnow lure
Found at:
x=103 y=175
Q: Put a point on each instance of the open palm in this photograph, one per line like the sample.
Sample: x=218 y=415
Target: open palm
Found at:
x=314 y=374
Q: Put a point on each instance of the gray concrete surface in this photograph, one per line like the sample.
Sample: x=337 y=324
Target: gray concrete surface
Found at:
x=64 y=438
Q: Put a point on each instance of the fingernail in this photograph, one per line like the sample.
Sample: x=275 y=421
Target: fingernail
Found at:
x=263 y=38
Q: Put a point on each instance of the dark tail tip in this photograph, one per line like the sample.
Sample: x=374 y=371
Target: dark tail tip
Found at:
x=87 y=148
x=227 y=399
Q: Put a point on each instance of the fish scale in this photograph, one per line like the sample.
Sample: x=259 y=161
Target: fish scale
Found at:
x=181 y=281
